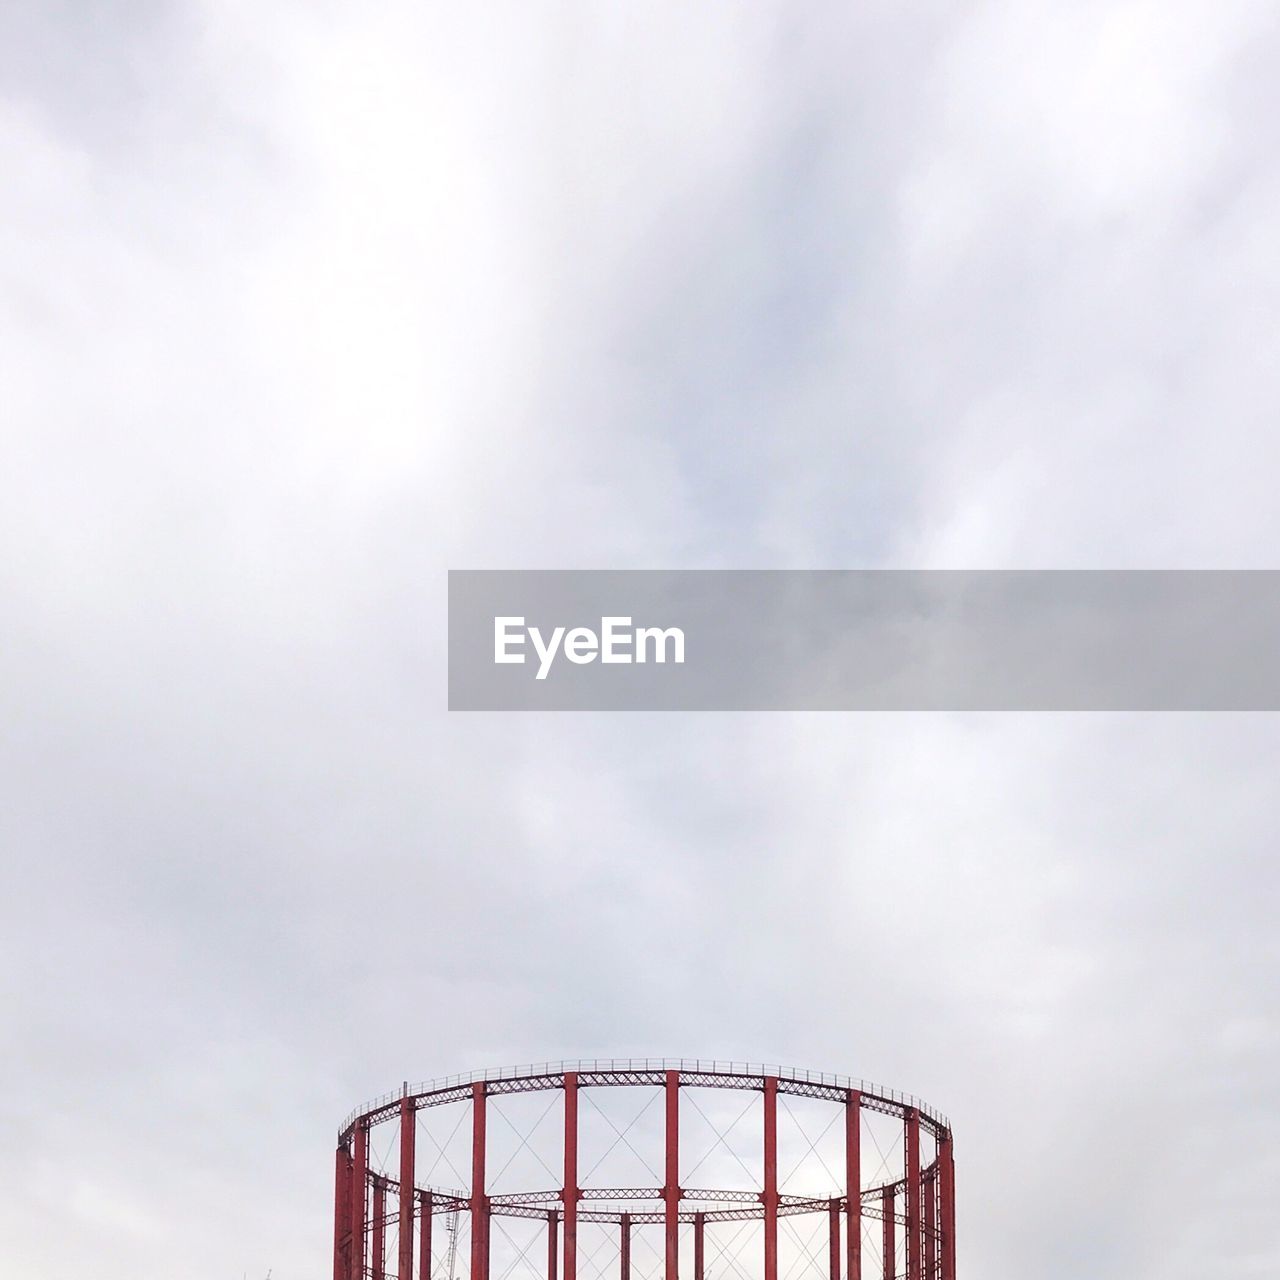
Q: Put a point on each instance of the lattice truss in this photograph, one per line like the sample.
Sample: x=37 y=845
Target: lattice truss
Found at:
x=618 y=1172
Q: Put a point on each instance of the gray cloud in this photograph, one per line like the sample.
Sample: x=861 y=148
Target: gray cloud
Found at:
x=305 y=305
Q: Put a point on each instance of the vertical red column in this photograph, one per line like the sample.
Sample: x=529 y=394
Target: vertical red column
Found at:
x=931 y=1224
x=408 y=1132
x=911 y=1140
x=889 y=1237
x=341 y=1212
x=424 y=1237
x=359 y=1188
x=699 y=1246
x=770 y=1193
x=479 y=1201
x=570 y=1190
x=853 y=1182
x=624 y=1248
x=553 y=1224
x=379 y=1229
x=833 y=1240
x=671 y=1191
x=947 y=1205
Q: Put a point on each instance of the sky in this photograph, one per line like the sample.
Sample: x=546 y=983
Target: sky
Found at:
x=306 y=303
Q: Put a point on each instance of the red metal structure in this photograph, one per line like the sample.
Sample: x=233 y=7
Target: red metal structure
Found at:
x=888 y=1185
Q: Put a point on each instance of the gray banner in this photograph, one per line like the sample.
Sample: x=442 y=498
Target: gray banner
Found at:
x=1074 y=640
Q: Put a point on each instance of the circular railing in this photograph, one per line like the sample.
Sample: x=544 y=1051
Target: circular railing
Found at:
x=876 y=1182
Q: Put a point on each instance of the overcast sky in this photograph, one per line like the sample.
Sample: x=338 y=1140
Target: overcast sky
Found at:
x=304 y=304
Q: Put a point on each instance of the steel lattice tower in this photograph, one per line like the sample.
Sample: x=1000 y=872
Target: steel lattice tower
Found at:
x=913 y=1203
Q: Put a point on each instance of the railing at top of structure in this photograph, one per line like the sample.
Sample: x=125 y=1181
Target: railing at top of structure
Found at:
x=695 y=1066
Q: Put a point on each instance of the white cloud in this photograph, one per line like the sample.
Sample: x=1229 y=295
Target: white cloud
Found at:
x=304 y=306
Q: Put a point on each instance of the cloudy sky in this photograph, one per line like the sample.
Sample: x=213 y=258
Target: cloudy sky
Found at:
x=305 y=303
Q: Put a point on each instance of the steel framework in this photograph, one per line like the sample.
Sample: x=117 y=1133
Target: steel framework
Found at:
x=915 y=1206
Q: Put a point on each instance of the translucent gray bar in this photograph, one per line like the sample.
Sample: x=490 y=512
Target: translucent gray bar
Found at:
x=1039 y=640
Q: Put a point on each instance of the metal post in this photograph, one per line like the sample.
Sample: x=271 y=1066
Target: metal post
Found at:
x=889 y=1238
x=427 y=1212
x=770 y=1193
x=853 y=1182
x=911 y=1141
x=341 y=1211
x=699 y=1246
x=570 y=1191
x=624 y=1248
x=671 y=1191
x=931 y=1224
x=947 y=1205
x=359 y=1188
x=408 y=1127
x=553 y=1222
x=833 y=1239
x=479 y=1201
x=379 y=1229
